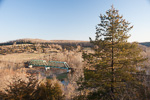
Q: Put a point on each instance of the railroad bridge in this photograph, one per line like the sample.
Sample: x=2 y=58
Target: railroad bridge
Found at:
x=49 y=64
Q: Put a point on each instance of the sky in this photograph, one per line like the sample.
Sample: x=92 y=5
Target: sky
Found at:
x=68 y=19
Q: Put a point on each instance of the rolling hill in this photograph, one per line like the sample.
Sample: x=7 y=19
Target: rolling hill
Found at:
x=59 y=42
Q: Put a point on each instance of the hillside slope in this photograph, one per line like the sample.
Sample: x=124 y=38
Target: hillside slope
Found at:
x=60 y=42
x=145 y=44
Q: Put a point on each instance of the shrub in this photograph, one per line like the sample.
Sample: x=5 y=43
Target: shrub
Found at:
x=31 y=89
x=20 y=89
x=49 y=91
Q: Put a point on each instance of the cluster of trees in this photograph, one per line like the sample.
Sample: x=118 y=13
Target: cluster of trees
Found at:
x=36 y=48
x=31 y=48
x=63 y=43
x=32 y=89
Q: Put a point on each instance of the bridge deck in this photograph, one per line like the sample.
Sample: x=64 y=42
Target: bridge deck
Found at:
x=51 y=64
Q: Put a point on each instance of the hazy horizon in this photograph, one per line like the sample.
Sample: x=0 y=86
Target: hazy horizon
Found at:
x=60 y=40
x=43 y=39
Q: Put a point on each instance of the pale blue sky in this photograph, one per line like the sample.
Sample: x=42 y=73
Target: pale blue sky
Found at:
x=68 y=19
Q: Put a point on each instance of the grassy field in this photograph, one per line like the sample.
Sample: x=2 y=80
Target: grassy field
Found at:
x=13 y=65
x=21 y=57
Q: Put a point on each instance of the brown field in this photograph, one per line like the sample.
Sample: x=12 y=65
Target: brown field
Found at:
x=13 y=65
x=13 y=57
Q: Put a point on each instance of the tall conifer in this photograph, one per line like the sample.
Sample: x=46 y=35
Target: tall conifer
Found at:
x=111 y=70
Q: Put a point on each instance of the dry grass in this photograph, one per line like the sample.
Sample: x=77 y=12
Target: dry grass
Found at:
x=6 y=76
x=74 y=59
x=15 y=61
x=21 y=57
x=47 y=41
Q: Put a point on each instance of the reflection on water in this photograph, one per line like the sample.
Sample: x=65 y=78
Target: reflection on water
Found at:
x=63 y=77
x=65 y=82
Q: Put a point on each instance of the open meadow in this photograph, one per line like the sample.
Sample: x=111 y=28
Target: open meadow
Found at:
x=12 y=64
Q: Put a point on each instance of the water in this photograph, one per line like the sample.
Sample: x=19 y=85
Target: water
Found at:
x=63 y=77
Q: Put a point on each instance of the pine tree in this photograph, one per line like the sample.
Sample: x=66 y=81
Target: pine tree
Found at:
x=49 y=91
x=20 y=89
x=111 y=71
x=32 y=89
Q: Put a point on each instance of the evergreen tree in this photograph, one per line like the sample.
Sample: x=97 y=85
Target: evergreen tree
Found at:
x=20 y=89
x=49 y=91
x=32 y=90
x=111 y=71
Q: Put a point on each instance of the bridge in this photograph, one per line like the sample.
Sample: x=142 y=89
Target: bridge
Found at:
x=49 y=64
